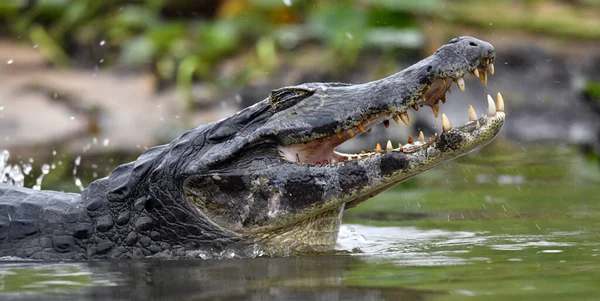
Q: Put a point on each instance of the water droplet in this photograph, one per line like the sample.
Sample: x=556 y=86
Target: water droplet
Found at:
x=27 y=168
x=349 y=36
x=77 y=160
x=79 y=184
x=287 y=2
x=102 y=42
x=72 y=117
x=9 y=61
x=106 y=142
x=54 y=153
x=45 y=169
x=1 y=108
x=101 y=61
x=36 y=46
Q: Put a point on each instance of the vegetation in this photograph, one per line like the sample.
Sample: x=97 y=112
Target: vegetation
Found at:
x=181 y=41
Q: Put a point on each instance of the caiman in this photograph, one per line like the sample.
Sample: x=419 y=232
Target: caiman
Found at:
x=267 y=178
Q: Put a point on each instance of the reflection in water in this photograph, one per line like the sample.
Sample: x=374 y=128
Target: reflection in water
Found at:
x=307 y=278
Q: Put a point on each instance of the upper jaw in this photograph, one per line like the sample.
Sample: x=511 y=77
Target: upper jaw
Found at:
x=423 y=84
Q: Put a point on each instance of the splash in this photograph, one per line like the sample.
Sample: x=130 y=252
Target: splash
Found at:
x=9 y=174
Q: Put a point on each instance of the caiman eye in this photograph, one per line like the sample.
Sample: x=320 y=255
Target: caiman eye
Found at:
x=288 y=96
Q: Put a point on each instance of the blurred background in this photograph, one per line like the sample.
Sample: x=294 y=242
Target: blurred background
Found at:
x=86 y=85
x=104 y=80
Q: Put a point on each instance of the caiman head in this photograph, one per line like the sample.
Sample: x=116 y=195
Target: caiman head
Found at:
x=270 y=174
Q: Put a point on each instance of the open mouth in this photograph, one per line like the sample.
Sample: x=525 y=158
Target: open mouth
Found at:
x=322 y=151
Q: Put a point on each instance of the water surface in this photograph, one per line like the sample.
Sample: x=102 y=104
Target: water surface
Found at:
x=509 y=222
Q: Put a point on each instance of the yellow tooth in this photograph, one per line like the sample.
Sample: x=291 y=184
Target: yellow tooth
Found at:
x=461 y=84
x=400 y=147
x=472 y=113
x=446 y=123
x=351 y=133
x=415 y=107
x=491 y=106
x=405 y=118
x=329 y=138
x=333 y=160
x=410 y=139
x=484 y=78
x=396 y=119
x=436 y=109
x=377 y=148
x=339 y=135
x=361 y=128
x=476 y=72
x=421 y=136
x=491 y=68
x=500 y=100
x=389 y=146
x=443 y=99
x=477 y=125
x=349 y=159
x=449 y=90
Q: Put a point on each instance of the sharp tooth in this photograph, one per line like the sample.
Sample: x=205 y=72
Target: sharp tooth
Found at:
x=446 y=123
x=476 y=72
x=421 y=136
x=389 y=146
x=339 y=135
x=410 y=139
x=460 y=82
x=449 y=90
x=500 y=106
x=491 y=106
x=491 y=68
x=396 y=119
x=349 y=159
x=477 y=125
x=369 y=130
x=351 y=133
x=405 y=118
x=443 y=99
x=444 y=80
x=400 y=148
x=333 y=160
x=377 y=148
x=386 y=123
x=436 y=110
x=361 y=128
x=329 y=138
x=472 y=113
x=484 y=78
x=415 y=107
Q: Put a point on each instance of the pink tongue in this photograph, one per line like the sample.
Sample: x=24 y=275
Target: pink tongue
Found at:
x=314 y=152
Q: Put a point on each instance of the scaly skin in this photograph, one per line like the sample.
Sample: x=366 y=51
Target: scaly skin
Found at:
x=266 y=177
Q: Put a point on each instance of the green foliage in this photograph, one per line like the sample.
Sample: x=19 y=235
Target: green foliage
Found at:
x=185 y=49
x=592 y=89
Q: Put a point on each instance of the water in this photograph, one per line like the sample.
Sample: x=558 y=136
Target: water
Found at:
x=510 y=222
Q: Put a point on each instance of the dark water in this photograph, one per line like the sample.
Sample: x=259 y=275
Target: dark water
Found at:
x=510 y=222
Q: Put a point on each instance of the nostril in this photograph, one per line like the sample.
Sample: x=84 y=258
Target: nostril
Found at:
x=429 y=69
x=472 y=44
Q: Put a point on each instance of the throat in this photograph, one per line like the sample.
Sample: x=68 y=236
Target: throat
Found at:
x=316 y=234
